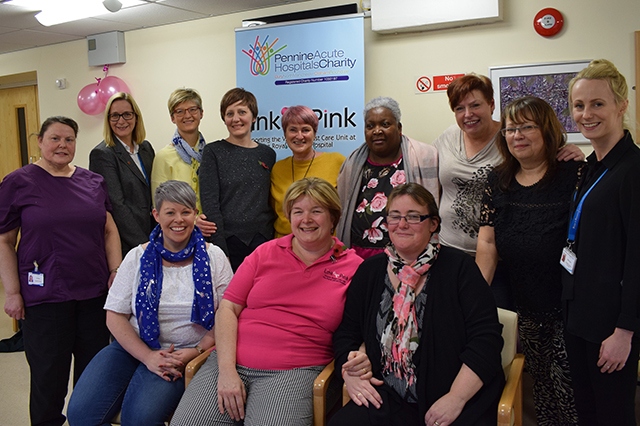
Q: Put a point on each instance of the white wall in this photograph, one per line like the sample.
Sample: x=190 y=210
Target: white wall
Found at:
x=201 y=54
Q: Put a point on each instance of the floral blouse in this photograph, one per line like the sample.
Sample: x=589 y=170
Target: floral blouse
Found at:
x=368 y=228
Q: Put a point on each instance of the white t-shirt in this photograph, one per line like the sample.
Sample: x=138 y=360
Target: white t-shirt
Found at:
x=176 y=299
x=463 y=180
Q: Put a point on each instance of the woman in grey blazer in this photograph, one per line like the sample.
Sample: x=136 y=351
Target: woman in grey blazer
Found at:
x=124 y=158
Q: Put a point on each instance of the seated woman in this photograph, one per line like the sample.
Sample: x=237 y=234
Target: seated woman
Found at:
x=160 y=310
x=429 y=325
x=275 y=323
x=300 y=125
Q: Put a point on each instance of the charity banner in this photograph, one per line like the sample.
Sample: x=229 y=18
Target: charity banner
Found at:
x=317 y=63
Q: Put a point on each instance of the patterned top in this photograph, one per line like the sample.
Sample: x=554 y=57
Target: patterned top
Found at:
x=368 y=227
x=530 y=224
x=463 y=180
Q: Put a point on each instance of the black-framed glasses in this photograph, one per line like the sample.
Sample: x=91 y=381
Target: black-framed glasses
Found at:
x=524 y=130
x=180 y=112
x=413 y=219
x=114 y=116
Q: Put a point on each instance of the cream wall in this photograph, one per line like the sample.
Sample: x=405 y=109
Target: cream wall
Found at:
x=201 y=54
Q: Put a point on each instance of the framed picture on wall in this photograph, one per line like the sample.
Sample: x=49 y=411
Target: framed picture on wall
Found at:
x=549 y=81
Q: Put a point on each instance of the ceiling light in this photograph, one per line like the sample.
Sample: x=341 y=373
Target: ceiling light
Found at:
x=112 y=5
x=53 y=12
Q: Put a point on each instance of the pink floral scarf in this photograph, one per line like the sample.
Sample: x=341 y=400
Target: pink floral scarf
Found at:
x=400 y=336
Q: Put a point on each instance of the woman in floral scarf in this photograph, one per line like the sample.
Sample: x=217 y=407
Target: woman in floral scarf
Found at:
x=429 y=326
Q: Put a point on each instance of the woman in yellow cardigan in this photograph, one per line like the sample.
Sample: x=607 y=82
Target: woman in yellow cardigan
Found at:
x=180 y=160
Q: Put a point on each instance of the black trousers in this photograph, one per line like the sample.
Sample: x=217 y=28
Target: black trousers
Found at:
x=239 y=250
x=396 y=413
x=53 y=332
x=602 y=399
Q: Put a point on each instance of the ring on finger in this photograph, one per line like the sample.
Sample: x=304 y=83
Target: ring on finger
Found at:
x=359 y=395
x=436 y=424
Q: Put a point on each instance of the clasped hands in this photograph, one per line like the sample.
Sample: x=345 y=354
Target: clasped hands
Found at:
x=359 y=380
x=168 y=363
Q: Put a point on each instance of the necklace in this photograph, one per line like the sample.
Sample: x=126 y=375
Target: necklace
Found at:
x=293 y=176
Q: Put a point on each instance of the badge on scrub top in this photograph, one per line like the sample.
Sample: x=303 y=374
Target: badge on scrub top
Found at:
x=568 y=260
x=35 y=277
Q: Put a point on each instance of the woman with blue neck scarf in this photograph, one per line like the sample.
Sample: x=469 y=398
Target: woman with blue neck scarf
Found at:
x=180 y=160
x=160 y=310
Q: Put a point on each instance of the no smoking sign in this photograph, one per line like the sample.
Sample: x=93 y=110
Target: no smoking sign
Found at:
x=434 y=83
x=423 y=84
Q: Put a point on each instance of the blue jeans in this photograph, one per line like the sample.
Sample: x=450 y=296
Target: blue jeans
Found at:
x=113 y=381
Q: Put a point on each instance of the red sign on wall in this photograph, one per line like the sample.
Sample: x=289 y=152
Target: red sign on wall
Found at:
x=441 y=82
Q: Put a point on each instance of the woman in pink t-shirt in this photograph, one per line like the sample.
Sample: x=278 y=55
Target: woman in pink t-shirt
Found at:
x=276 y=320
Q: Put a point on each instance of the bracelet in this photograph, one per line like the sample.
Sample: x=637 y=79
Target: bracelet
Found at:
x=113 y=270
x=199 y=349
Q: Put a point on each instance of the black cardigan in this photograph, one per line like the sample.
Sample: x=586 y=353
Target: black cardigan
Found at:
x=460 y=325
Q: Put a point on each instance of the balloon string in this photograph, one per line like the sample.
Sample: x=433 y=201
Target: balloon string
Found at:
x=105 y=69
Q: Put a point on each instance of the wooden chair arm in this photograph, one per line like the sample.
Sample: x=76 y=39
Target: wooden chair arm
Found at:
x=320 y=386
x=510 y=406
x=194 y=365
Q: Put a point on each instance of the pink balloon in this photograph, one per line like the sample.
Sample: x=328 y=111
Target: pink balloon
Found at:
x=88 y=100
x=109 y=86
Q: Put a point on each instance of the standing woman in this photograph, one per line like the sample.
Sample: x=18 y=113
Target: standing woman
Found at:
x=523 y=221
x=388 y=158
x=57 y=280
x=601 y=289
x=300 y=125
x=235 y=181
x=180 y=160
x=124 y=158
x=467 y=152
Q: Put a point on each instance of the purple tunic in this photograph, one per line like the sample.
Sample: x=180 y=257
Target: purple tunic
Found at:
x=62 y=222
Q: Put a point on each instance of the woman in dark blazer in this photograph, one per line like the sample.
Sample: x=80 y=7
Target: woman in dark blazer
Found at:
x=124 y=158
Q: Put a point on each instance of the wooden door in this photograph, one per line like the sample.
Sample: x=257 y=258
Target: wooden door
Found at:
x=636 y=86
x=19 y=125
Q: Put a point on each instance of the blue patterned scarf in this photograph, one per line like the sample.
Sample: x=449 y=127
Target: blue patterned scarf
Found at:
x=150 y=287
x=185 y=151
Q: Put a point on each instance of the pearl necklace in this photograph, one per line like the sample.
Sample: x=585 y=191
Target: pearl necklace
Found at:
x=293 y=176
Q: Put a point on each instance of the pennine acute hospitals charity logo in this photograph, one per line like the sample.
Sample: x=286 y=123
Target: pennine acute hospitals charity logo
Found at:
x=260 y=54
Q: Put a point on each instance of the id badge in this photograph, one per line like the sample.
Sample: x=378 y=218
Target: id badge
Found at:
x=568 y=260
x=35 y=277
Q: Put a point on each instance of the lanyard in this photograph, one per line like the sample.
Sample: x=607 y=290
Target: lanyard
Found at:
x=575 y=219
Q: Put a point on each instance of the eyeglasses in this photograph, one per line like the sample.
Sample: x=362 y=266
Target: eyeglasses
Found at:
x=413 y=219
x=180 y=112
x=524 y=130
x=114 y=117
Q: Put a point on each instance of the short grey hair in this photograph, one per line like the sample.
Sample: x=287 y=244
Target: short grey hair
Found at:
x=384 y=102
x=175 y=191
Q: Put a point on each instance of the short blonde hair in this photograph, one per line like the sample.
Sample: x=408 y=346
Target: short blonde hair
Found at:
x=320 y=191
x=139 y=132
x=179 y=96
